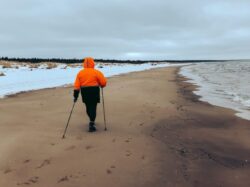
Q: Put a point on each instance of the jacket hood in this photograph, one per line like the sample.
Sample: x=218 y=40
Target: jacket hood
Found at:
x=88 y=62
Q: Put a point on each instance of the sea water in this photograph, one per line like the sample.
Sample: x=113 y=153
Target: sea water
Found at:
x=225 y=84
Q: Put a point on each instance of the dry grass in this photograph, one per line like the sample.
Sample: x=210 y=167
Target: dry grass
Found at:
x=73 y=65
x=5 y=64
x=51 y=65
x=34 y=66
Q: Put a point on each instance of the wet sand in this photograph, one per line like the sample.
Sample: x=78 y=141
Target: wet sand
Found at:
x=158 y=134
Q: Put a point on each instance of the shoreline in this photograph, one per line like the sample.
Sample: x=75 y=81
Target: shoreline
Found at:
x=159 y=134
x=187 y=90
x=195 y=87
x=206 y=157
x=220 y=92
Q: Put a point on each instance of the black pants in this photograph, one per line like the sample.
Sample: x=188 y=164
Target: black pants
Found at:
x=91 y=110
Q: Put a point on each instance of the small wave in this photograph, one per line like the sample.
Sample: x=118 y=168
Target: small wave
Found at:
x=224 y=84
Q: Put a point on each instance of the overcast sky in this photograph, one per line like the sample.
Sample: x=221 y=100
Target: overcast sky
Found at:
x=125 y=29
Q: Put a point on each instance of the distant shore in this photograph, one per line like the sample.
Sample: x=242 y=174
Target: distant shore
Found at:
x=159 y=134
x=74 y=60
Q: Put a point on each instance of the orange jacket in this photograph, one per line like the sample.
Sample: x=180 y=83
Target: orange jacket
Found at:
x=89 y=76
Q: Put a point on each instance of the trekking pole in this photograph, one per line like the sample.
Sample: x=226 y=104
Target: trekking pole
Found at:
x=68 y=121
x=103 y=107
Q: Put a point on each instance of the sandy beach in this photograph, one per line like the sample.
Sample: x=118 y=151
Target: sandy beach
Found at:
x=159 y=134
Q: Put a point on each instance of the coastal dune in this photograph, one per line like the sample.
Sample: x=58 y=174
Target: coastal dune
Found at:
x=158 y=134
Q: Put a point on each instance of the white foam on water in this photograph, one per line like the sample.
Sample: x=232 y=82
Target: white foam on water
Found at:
x=26 y=79
x=225 y=84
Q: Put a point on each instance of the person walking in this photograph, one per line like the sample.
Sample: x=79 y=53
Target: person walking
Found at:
x=88 y=81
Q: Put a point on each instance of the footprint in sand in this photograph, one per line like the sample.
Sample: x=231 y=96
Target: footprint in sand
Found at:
x=25 y=183
x=88 y=147
x=180 y=108
x=128 y=153
x=34 y=179
x=108 y=171
x=63 y=179
x=128 y=140
x=44 y=163
x=71 y=176
x=114 y=140
x=141 y=124
x=8 y=170
x=30 y=181
x=82 y=174
x=70 y=148
x=77 y=176
x=26 y=161
x=172 y=102
x=79 y=137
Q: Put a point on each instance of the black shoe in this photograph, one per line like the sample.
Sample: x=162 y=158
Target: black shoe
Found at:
x=92 y=127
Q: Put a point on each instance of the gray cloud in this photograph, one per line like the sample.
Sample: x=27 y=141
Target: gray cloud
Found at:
x=125 y=29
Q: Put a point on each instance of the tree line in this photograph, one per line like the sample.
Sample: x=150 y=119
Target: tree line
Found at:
x=74 y=60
